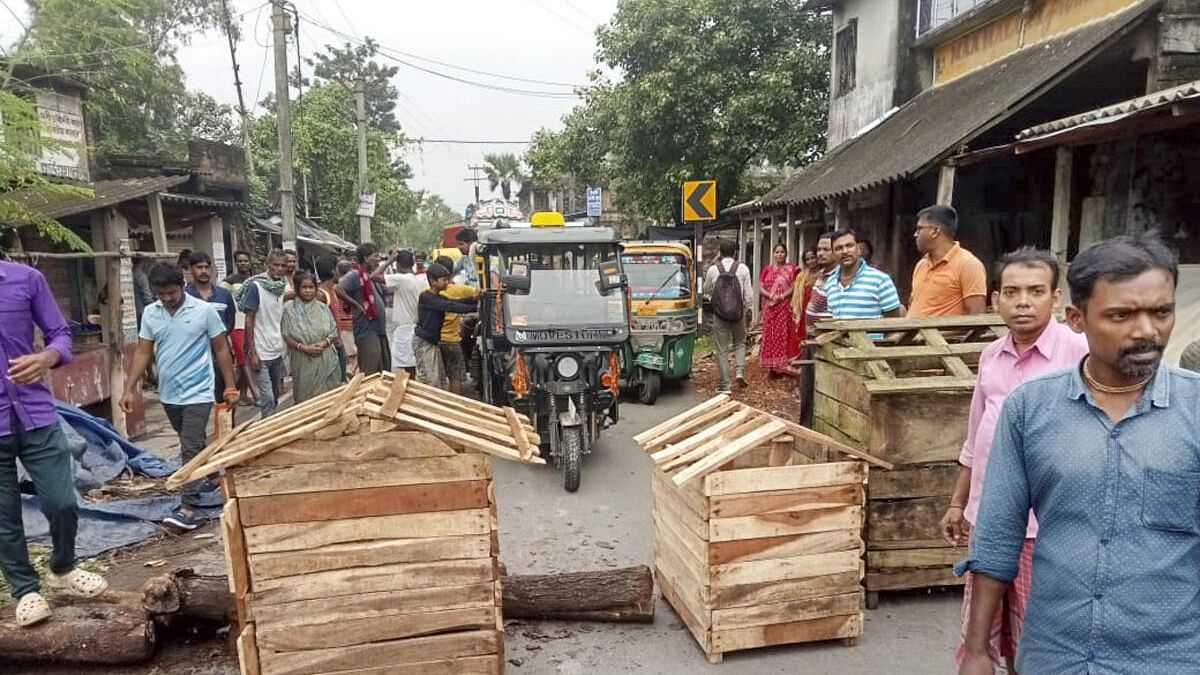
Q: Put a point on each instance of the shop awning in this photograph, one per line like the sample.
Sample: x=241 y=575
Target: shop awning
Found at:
x=941 y=119
x=306 y=231
x=105 y=193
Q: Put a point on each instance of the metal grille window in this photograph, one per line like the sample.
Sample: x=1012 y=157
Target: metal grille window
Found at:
x=934 y=13
x=846 y=58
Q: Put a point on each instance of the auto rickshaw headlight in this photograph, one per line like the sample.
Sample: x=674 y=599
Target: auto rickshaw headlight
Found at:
x=567 y=367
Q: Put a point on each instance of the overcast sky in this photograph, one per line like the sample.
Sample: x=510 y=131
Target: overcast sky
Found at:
x=548 y=40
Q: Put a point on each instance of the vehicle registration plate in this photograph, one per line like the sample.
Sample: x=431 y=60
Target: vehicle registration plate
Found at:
x=647 y=311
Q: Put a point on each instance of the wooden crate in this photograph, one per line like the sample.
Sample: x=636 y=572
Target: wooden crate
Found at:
x=757 y=537
x=370 y=544
x=905 y=400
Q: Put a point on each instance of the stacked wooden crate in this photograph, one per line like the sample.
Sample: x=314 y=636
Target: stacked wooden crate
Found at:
x=905 y=399
x=756 y=534
x=360 y=531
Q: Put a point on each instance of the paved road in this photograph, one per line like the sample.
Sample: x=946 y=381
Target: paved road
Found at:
x=607 y=524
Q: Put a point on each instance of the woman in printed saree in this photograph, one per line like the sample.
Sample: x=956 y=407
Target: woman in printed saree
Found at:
x=310 y=332
x=779 y=343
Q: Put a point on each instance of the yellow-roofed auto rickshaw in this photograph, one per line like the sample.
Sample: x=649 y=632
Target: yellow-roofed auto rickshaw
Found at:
x=662 y=310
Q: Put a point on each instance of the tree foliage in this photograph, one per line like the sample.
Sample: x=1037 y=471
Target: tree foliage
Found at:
x=503 y=170
x=424 y=230
x=356 y=63
x=702 y=89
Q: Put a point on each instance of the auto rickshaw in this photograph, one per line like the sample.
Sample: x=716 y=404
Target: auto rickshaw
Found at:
x=662 y=307
x=552 y=319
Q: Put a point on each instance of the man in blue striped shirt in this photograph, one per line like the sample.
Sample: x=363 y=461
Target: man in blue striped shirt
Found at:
x=859 y=291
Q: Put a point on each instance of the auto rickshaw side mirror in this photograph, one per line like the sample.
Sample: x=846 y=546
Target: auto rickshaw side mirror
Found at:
x=517 y=278
x=611 y=277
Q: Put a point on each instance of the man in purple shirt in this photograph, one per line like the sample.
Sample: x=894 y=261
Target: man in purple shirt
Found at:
x=29 y=431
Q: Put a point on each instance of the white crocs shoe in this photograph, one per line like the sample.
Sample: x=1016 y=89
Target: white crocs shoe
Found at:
x=32 y=609
x=78 y=582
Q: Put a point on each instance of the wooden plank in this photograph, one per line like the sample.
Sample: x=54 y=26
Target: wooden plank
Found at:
x=344 y=397
x=849 y=422
x=758 y=503
x=364 y=502
x=919 y=428
x=954 y=364
x=780 y=569
x=884 y=351
x=234 y=541
x=842 y=384
x=830 y=628
x=698 y=628
x=415 y=650
x=244 y=452
x=671 y=505
x=687 y=445
x=450 y=398
x=346 y=633
x=807 y=434
x=784 y=523
x=905 y=519
x=367 y=605
x=930 y=480
x=830 y=429
x=326 y=477
x=388 y=444
x=891 y=325
x=900 y=580
x=518 y=433
x=787 y=612
x=690 y=495
x=714 y=402
x=403 y=577
x=916 y=385
x=247 y=649
x=491 y=664
x=790 y=590
x=742 y=550
x=483 y=427
x=302 y=536
x=369 y=553
x=690 y=427
x=395 y=395
x=916 y=557
x=730 y=452
x=771 y=479
x=880 y=370
x=690 y=549
x=449 y=433
x=176 y=480
x=905 y=544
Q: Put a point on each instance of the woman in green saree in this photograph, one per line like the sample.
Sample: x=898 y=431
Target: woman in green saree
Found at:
x=310 y=333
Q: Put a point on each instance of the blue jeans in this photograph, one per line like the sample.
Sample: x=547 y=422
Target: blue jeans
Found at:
x=268 y=379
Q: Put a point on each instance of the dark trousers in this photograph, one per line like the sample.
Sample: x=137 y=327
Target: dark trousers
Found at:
x=46 y=457
x=374 y=353
x=191 y=423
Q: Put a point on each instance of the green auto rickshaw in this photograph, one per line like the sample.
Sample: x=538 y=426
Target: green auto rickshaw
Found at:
x=662 y=310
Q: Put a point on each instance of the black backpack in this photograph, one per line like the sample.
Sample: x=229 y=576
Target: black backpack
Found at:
x=727 y=300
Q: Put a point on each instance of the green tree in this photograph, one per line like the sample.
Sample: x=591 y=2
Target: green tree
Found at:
x=424 y=230
x=503 y=170
x=208 y=118
x=356 y=63
x=703 y=89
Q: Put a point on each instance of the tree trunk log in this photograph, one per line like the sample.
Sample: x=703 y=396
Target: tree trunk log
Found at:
x=186 y=595
x=93 y=633
x=625 y=595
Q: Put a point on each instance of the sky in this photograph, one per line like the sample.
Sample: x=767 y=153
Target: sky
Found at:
x=547 y=40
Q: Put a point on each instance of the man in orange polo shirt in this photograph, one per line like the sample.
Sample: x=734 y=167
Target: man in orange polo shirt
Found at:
x=948 y=280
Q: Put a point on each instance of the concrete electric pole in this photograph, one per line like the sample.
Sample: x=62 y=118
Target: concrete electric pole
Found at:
x=287 y=196
x=476 y=179
x=360 y=106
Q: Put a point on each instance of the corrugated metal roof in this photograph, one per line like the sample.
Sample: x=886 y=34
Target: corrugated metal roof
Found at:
x=306 y=231
x=106 y=193
x=1158 y=99
x=197 y=200
x=940 y=119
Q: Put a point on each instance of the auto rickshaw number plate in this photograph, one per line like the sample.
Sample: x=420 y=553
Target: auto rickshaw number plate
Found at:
x=647 y=311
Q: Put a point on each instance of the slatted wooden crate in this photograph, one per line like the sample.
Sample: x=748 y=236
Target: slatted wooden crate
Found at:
x=360 y=531
x=756 y=534
x=904 y=399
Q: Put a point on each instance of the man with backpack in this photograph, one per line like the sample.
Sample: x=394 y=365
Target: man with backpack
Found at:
x=729 y=285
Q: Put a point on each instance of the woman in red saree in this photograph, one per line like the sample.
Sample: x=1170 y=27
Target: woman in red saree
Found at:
x=779 y=343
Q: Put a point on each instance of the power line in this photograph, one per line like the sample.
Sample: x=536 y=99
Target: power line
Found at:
x=455 y=141
x=561 y=17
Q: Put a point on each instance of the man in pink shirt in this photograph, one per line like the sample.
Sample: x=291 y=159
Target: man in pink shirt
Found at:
x=1036 y=345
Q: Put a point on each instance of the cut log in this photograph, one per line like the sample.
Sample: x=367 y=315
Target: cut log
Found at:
x=91 y=633
x=620 y=595
x=625 y=595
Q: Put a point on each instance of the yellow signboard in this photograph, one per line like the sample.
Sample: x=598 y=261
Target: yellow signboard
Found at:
x=699 y=200
x=997 y=39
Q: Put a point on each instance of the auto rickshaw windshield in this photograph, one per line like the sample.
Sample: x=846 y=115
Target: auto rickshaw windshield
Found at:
x=563 y=287
x=657 y=276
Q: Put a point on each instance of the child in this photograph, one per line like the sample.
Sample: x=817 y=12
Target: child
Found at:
x=431 y=313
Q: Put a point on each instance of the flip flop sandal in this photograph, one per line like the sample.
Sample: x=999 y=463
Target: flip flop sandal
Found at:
x=78 y=582
x=31 y=609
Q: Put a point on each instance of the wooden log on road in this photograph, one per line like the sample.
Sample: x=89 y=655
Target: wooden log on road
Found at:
x=186 y=595
x=103 y=633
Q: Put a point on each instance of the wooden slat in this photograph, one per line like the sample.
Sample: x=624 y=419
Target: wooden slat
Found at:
x=687 y=445
x=772 y=428
x=691 y=549
x=369 y=553
x=787 y=612
x=849 y=423
x=772 y=479
x=698 y=628
x=884 y=351
x=526 y=448
x=362 y=448
x=763 y=503
x=324 y=634
x=247 y=649
x=395 y=395
x=360 y=503
x=249 y=451
x=462 y=437
x=785 y=523
x=450 y=398
x=786 y=546
x=325 y=477
x=344 y=397
x=842 y=384
x=831 y=628
x=670 y=506
x=491 y=664
x=918 y=557
x=644 y=437
x=930 y=480
x=182 y=475
x=890 y=325
x=720 y=443
x=408 y=576
x=919 y=428
x=690 y=427
x=954 y=364
x=790 y=590
x=415 y=650
x=780 y=569
x=807 y=434
x=878 y=369
x=301 y=536
x=905 y=519
x=921 y=384
x=899 y=580
x=368 y=605
x=486 y=428
x=236 y=558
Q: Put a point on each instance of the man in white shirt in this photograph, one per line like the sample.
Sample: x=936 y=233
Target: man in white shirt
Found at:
x=261 y=299
x=730 y=331
x=406 y=288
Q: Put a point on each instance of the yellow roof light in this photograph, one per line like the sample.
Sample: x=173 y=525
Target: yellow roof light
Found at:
x=547 y=219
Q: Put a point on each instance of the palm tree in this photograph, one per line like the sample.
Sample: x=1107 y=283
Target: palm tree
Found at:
x=503 y=169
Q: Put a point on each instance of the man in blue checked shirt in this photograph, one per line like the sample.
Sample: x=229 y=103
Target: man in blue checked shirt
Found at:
x=1107 y=455
x=859 y=291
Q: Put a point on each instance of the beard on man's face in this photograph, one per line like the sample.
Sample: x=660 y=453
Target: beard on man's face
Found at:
x=1141 y=359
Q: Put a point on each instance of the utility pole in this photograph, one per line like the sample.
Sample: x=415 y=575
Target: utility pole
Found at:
x=287 y=196
x=237 y=83
x=360 y=108
x=476 y=179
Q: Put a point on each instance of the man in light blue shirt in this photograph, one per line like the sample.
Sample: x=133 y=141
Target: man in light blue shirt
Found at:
x=1107 y=456
x=859 y=291
x=182 y=333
